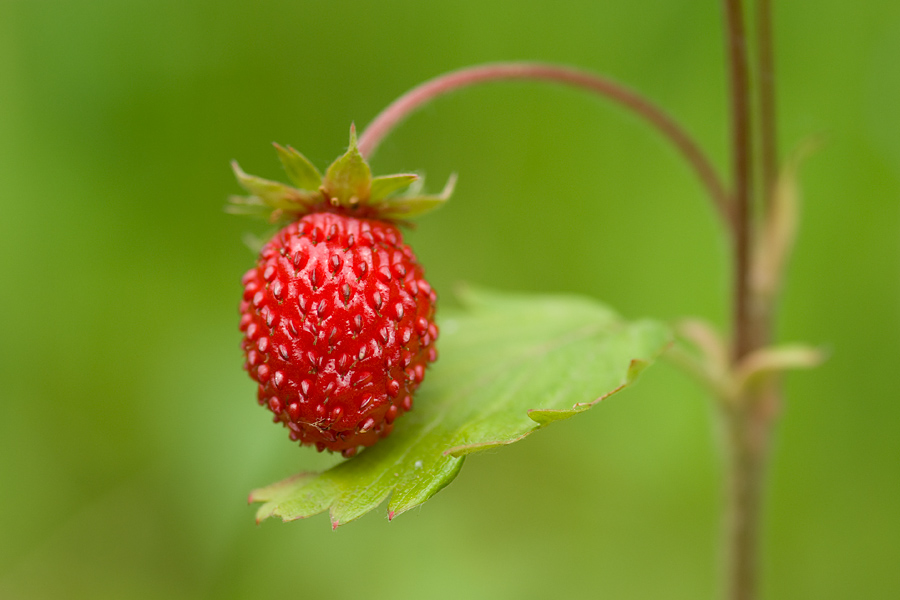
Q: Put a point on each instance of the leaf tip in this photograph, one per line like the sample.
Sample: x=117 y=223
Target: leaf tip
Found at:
x=257 y=495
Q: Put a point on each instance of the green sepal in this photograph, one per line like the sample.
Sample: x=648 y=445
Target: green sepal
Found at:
x=348 y=180
x=300 y=171
x=348 y=186
x=384 y=186
x=274 y=194
x=248 y=206
x=408 y=206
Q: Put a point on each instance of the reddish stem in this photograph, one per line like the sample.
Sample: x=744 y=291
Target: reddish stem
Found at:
x=748 y=421
x=767 y=118
x=742 y=157
x=655 y=116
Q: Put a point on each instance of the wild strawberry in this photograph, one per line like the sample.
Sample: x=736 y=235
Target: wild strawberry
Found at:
x=337 y=317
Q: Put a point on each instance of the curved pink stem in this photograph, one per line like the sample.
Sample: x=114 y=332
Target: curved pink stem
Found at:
x=391 y=116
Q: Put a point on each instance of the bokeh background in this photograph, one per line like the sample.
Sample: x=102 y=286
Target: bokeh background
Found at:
x=130 y=436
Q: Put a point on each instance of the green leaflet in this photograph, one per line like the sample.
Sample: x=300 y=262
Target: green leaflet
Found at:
x=509 y=365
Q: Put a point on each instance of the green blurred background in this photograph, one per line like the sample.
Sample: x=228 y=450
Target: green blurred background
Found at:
x=130 y=436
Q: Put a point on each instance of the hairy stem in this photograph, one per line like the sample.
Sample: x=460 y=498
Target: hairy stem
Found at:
x=612 y=90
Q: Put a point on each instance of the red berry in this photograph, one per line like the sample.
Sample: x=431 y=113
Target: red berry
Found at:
x=338 y=319
x=338 y=326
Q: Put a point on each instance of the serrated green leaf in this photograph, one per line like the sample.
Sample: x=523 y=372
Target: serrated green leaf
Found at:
x=273 y=193
x=300 y=171
x=349 y=179
x=409 y=206
x=547 y=416
x=509 y=365
x=384 y=186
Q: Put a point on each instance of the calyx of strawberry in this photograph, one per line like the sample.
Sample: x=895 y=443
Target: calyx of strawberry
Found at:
x=347 y=187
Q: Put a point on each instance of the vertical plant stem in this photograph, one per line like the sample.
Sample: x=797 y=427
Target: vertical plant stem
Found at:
x=748 y=419
x=742 y=171
x=762 y=304
x=747 y=440
x=741 y=462
x=766 y=99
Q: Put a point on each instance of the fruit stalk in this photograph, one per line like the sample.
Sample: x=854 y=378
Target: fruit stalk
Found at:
x=657 y=118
